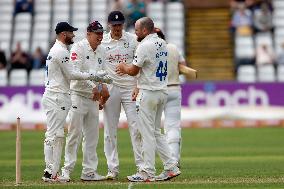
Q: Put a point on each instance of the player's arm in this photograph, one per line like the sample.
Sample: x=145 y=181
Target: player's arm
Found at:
x=189 y=72
x=134 y=68
x=131 y=69
x=134 y=93
x=71 y=69
x=75 y=65
x=183 y=69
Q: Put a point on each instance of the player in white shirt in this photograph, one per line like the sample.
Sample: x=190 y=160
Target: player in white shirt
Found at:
x=172 y=122
x=151 y=63
x=86 y=55
x=120 y=46
x=56 y=98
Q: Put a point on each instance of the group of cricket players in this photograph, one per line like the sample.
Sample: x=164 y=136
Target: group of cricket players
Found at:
x=103 y=72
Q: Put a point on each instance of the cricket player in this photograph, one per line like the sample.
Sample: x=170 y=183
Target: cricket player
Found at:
x=120 y=47
x=56 y=98
x=151 y=63
x=172 y=122
x=86 y=55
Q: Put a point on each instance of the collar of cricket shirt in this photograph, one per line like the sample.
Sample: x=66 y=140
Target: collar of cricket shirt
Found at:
x=109 y=38
x=61 y=44
x=89 y=46
x=151 y=35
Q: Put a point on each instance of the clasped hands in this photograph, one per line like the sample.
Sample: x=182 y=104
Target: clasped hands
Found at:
x=120 y=69
x=101 y=77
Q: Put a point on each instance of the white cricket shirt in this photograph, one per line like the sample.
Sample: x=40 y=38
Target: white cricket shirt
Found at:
x=151 y=55
x=84 y=59
x=59 y=71
x=57 y=63
x=174 y=58
x=118 y=51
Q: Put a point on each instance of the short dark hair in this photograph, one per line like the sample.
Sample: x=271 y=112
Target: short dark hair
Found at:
x=160 y=33
x=147 y=23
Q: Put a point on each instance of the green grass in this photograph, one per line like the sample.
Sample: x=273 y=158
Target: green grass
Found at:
x=211 y=158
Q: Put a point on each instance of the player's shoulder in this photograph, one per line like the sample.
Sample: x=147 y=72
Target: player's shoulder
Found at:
x=101 y=50
x=172 y=47
x=58 y=50
x=80 y=45
x=129 y=35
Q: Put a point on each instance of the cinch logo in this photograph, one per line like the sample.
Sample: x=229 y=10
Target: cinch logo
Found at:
x=30 y=99
x=218 y=98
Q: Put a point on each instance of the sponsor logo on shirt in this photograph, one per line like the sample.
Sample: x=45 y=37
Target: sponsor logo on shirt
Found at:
x=65 y=59
x=74 y=56
x=117 y=58
x=100 y=61
x=126 y=44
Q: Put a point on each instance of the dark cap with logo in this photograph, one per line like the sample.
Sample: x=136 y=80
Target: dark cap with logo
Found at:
x=64 y=26
x=95 y=26
x=116 y=17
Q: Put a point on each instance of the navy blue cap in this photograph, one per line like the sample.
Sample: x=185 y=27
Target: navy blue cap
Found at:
x=64 y=26
x=95 y=26
x=116 y=17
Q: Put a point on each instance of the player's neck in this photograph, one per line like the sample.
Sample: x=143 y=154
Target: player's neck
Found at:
x=115 y=37
x=94 y=47
x=62 y=41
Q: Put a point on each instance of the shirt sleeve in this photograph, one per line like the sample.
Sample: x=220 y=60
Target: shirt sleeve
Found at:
x=71 y=67
x=140 y=56
x=180 y=56
x=76 y=62
x=103 y=51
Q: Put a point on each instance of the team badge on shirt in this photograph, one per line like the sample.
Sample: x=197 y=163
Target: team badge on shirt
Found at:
x=100 y=61
x=126 y=44
x=65 y=59
x=74 y=56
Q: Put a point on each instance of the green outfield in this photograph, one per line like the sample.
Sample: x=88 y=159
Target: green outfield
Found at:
x=211 y=158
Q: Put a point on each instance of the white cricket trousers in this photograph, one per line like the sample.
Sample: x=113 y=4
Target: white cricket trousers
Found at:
x=120 y=96
x=151 y=105
x=172 y=123
x=84 y=117
x=56 y=106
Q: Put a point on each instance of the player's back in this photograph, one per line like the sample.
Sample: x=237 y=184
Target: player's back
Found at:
x=55 y=80
x=152 y=57
x=174 y=57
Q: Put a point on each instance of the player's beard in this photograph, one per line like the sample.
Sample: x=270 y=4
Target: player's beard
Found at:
x=139 y=39
x=69 y=40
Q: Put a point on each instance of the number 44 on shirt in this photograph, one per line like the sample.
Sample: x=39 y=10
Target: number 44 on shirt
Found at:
x=162 y=70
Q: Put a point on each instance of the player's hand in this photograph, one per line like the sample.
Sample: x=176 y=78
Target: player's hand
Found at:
x=101 y=106
x=120 y=69
x=104 y=94
x=96 y=94
x=134 y=94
